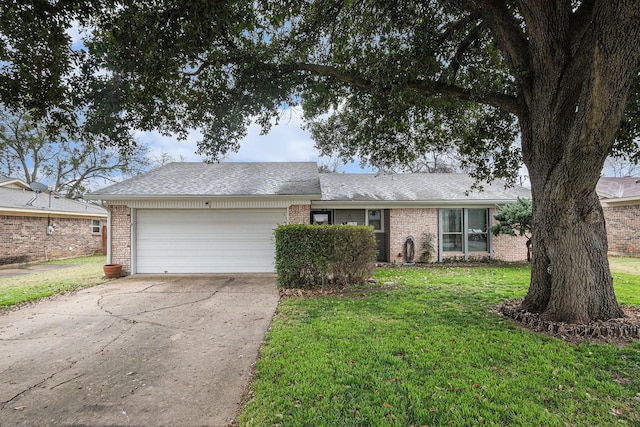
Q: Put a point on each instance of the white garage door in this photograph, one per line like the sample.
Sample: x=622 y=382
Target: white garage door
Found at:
x=206 y=241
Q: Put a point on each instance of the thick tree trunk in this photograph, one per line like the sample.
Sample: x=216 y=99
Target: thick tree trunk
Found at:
x=570 y=277
x=572 y=107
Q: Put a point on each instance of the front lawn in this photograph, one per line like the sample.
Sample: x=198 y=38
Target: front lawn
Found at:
x=433 y=351
x=78 y=273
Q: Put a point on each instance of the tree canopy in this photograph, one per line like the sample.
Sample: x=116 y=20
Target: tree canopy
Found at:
x=393 y=77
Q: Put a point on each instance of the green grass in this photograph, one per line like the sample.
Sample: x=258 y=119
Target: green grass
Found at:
x=434 y=352
x=82 y=272
x=626 y=279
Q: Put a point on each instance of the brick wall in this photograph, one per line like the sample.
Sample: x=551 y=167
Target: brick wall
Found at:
x=299 y=214
x=25 y=239
x=411 y=222
x=623 y=223
x=508 y=248
x=121 y=237
x=416 y=221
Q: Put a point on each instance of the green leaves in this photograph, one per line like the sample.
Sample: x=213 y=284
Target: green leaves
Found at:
x=397 y=79
x=514 y=218
x=308 y=256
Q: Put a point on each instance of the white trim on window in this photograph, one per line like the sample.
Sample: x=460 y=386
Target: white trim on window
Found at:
x=96 y=226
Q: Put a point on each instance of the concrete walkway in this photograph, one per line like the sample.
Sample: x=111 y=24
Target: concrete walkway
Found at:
x=143 y=350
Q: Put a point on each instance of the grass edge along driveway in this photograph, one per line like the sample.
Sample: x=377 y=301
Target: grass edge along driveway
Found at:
x=80 y=272
x=434 y=352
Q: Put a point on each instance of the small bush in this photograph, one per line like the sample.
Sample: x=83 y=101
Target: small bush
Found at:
x=428 y=247
x=309 y=255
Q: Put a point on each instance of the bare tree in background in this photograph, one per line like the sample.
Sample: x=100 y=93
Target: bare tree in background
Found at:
x=70 y=168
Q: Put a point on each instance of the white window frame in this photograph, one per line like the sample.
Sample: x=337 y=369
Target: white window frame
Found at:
x=93 y=226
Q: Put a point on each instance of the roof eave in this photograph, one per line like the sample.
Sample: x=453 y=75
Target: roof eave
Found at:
x=20 y=183
x=118 y=197
x=44 y=212
x=614 y=201
x=337 y=204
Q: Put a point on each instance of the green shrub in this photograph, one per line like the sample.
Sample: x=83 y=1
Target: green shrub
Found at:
x=309 y=255
x=428 y=247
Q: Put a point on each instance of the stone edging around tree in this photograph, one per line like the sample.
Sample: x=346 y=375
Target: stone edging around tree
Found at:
x=625 y=329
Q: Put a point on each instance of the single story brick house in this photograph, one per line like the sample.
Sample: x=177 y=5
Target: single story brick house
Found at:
x=41 y=226
x=213 y=218
x=620 y=199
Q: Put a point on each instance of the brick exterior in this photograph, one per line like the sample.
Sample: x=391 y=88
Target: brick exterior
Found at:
x=121 y=237
x=121 y=231
x=416 y=221
x=299 y=214
x=25 y=238
x=623 y=223
x=403 y=222
x=411 y=222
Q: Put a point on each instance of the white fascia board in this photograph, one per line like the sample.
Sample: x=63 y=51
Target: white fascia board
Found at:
x=16 y=183
x=127 y=197
x=44 y=212
x=634 y=200
x=372 y=204
x=212 y=202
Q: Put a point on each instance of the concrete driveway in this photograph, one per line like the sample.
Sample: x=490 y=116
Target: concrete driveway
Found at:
x=142 y=350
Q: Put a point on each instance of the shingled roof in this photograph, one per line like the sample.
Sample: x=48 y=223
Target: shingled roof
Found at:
x=302 y=179
x=431 y=187
x=220 y=179
x=18 y=199
x=618 y=188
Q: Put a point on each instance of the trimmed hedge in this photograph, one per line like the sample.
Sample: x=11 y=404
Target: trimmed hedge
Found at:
x=307 y=254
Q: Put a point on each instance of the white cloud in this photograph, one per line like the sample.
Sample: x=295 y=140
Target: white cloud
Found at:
x=178 y=149
x=285 y=142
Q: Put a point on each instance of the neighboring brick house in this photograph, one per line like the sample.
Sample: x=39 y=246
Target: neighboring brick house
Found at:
x=620 y=199
x=41 y=226
x=214 y=218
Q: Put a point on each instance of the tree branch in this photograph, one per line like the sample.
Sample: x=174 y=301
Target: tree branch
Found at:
x=458 y=25
x=507 y=33
x=456 y=61
x=580 y=22
x=495 y=99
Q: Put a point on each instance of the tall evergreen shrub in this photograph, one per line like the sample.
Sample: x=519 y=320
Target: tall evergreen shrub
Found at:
x=309 y=255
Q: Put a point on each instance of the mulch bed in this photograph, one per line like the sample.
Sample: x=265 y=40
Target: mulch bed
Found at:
x=331 y=289
x=616 y=331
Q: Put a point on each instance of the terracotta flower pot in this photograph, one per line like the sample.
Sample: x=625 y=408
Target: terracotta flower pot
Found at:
x=112 y=270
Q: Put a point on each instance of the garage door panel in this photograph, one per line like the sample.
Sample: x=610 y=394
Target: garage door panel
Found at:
x=206 y=241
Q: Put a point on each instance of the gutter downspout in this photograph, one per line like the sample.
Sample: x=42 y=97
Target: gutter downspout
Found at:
x=108 y=234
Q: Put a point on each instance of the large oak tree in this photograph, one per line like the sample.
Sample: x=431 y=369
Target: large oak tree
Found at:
x=394 y=76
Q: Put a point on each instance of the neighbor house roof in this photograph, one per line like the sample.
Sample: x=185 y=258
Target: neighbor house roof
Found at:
x=618 y=191
x=627 y=188
x=220 y=179
x=18 y=200
x=13 y=183
x=416 y=187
